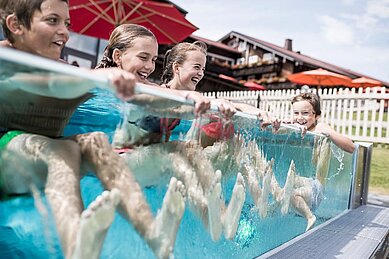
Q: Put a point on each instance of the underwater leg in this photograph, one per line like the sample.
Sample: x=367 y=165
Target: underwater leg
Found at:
x=168 y=219
x=232 y=214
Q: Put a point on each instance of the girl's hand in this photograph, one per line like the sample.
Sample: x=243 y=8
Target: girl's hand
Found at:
x=202 y=104
x=122 y=81
x=225 y=107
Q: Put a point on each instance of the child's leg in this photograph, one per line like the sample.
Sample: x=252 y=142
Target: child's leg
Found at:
x=206 y=205
x=206 y=174
x=59 y=161
x=300 y=200
x=253 y=183
x=148 y=163
x=113 y=171
x=231 y=215
x=168 y=220
x=202 y=166
x=266 y=188
x=288 y=188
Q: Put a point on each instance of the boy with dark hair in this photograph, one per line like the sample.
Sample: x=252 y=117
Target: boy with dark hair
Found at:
x=32 y=118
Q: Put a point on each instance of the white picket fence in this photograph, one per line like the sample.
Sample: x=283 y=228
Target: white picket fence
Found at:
x=360 y=114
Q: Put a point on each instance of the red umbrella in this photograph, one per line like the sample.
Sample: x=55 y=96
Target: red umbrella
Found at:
x=365 y=82
x=319 y=77
x=98 y=18
x=228 y=77
x=254 y=86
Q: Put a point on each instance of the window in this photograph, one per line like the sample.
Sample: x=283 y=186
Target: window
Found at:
x=233 y=43
x=253 y=59
x=241 y=61
x=267 y=57
x=82 y=43
x=242 y=46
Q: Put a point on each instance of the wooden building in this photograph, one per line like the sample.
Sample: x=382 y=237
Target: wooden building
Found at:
x=232 y=61
x=245 y=58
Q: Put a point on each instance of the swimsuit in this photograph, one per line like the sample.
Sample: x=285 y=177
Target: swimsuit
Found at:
x=217 y=130
x=154 y=124
x=46 y=116
x=7 y=136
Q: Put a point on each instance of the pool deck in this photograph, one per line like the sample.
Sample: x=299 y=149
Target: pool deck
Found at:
x=358 y=233
x=378 y=199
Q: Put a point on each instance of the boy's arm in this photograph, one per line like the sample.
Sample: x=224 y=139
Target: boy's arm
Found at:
x=341 y=141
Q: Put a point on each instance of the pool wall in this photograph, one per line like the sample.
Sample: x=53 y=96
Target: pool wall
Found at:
x=25 y=233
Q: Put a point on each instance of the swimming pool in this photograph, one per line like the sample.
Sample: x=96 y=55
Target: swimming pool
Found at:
x=24 y=233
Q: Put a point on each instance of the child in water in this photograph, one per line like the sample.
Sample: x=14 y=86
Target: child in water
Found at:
x=184 y=68
x=32 y=118
x=308 y=192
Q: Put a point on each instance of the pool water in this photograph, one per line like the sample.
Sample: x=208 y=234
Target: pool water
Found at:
x=24 y=233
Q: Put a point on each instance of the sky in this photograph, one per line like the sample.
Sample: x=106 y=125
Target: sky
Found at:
x=353 y=34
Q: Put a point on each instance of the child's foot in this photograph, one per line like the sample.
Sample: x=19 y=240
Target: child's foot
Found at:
x=214 y=207
x=234 y=209
x=94 y=223
x=310 y=223
x=168 y=219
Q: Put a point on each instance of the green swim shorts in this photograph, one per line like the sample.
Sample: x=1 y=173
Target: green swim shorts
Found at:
x=8 y=136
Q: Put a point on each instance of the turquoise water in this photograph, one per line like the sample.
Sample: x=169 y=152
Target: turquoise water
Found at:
x=24 y=233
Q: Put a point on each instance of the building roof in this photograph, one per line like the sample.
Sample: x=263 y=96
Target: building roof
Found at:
x=296 y=56
x=216 y=44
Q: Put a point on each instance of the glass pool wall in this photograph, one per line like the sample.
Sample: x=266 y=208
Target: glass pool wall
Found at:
x=25 y=233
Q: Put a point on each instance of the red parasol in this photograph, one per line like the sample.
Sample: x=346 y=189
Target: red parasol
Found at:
x=254 y=86
x=365 y=82
x=98 y=18
x=228 y=78
x=320 y=77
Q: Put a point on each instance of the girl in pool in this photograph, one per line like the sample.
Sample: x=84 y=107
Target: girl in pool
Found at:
x=41 y=27
x=184 y=67
x=127 y=50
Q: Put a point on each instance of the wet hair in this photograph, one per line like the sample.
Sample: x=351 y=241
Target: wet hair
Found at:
x=23 y=10
x=122 y=38
x=178 y=54
x=312 y=98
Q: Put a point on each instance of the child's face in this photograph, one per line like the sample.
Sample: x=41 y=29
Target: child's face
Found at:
x=140 y=58
x=304 y=114
x=191 y=71
x=49 y=30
